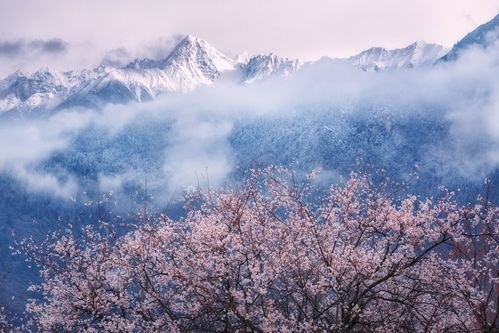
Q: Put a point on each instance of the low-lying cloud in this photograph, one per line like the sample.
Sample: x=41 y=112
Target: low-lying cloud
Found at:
x=26 y=145
x=31 y=48
x=31 y=54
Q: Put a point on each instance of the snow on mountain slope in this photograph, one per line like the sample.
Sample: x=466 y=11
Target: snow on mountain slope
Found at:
x=417 y=54
x=482 y=36
x=193 y=62
x=114 y=86
x=25 y=91
x=261 y=66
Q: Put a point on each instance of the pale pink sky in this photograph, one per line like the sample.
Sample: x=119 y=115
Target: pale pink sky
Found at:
x=303 y=29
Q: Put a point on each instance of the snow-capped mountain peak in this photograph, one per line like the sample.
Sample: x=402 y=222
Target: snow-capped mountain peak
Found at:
x=417 y=54
x=192 y=62
x=265 y=65
x=197 y=55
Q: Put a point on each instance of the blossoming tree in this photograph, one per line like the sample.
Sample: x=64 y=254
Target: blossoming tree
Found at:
x=275 y=257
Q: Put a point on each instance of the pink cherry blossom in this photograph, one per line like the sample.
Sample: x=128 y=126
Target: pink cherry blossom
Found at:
x=274 y=257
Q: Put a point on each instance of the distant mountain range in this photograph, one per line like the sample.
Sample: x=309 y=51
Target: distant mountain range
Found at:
x=415 y=55
x=194 y=62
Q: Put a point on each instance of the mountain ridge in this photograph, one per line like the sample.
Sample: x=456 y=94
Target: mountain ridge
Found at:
x=193 y=63
x=416 y=54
